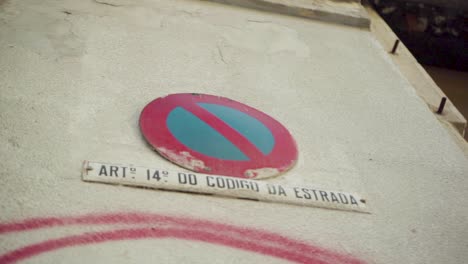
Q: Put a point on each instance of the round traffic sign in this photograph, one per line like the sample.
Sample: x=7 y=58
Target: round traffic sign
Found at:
x=216 y=135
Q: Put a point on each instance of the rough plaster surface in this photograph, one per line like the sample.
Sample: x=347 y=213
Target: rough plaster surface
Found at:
x=341 y=12
x=75 y=76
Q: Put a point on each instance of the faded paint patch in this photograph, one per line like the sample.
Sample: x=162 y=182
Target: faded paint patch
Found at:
x=184 y=159
x=261 y=173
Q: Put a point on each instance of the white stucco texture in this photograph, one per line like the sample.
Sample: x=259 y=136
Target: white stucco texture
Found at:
x=74 y=76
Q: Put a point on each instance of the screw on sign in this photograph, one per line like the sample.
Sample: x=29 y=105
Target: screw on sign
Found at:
x=216 y=135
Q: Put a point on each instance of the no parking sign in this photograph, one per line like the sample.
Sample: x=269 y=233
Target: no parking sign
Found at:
x=216 y=135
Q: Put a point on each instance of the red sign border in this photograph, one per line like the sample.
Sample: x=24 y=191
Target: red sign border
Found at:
x=282 y=157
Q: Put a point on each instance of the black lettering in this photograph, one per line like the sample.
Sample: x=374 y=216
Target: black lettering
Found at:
x=353 y=201
x=281 y=191
x=241 y=184
x=114 y=169
x=156 y=175
x=208 y=178
x=182 y=178
x=230 y=184
x=192 y=179
x=123 y=169
x=334 y=198
x=220 y=182
x=271 y=189
x=343 y=198
x=254 y=186
x=324 y=196
x=315 y=194
x=245 y=184
x=103 y=171
x=296 y=192
x=306 y=194
x=237 y=183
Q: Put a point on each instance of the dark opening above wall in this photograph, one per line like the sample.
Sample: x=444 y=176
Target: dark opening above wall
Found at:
x=435 y=31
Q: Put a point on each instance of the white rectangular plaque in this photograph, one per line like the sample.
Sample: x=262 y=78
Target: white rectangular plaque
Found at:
x=257 y=190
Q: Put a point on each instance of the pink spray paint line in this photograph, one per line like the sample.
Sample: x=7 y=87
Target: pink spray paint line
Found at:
x=248 y=239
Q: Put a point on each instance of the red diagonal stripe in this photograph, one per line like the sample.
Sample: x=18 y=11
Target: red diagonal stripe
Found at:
x=236 y=138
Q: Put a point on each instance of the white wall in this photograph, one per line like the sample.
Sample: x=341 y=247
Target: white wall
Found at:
x=73 y=85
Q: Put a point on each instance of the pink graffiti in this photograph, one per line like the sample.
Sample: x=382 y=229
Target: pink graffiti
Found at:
x=161 y=226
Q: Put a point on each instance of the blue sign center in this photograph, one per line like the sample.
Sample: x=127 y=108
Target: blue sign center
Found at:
x=197 y=135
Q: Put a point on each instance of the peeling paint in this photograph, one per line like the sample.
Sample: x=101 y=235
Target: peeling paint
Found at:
x=184 y=158
x=261 y=173
x=222 y=136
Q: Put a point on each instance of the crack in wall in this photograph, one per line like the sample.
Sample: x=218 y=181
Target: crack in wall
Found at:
x=220 y=53
x=106 y=3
